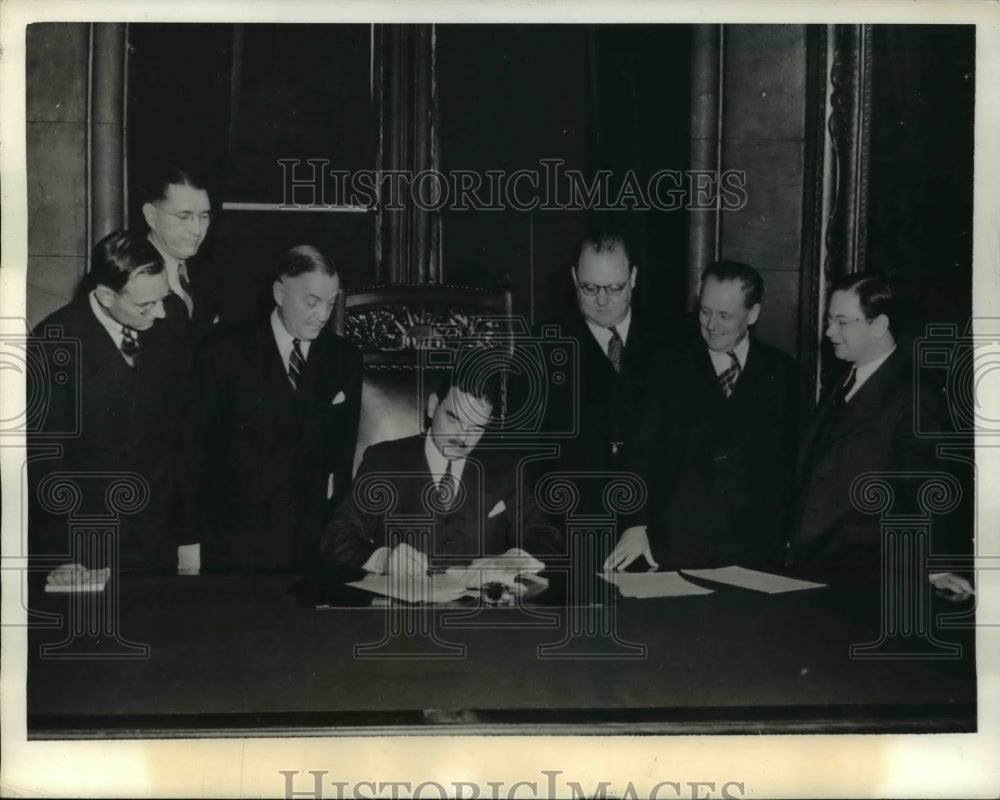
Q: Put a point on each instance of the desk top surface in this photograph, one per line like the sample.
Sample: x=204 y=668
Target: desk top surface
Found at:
x=241 y=654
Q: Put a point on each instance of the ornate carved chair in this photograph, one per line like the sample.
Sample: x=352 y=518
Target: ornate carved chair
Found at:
x=407 y=335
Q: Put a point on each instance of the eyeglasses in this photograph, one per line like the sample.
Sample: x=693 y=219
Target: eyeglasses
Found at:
x=842 y=323
x=610 y=289
x=204 y=217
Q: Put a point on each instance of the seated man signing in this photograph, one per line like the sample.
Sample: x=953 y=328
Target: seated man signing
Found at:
x=470 y=501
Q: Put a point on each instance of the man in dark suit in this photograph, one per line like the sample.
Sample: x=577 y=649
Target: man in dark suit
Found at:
x=280 y=406
x=866 y=423
x=112 y=417
x=615 y=343
x=479 y=507
x=717 y=439
x=178 y=211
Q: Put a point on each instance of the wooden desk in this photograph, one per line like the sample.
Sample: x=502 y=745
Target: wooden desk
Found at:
x=240 y=656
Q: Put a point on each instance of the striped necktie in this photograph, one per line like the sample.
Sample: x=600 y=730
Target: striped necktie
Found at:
x=295 y=364
x=727 y=380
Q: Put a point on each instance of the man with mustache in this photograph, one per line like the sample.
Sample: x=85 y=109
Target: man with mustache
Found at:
x=479 y=506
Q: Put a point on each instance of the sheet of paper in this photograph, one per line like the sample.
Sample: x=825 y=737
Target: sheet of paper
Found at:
x=652 y=584
x=422 y=589
x=752 y=579
x=94 y=581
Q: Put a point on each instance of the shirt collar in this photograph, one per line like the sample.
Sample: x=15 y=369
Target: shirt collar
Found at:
x=603 y=335
x=437 y=463
x=284 y=339
x=722 y=361
x=862 y=374
x=113 y=328
x=171 y=265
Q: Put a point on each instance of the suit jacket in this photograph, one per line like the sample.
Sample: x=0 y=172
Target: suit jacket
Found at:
x=607 y=399
x=268 y=451
x=718 y=470
x=107 y=417
x=494 y=511
x=873 y=431
x=205 y=296
x=193 y=330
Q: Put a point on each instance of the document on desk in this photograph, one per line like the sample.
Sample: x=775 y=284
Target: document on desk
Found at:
x=652 y=584
x=94 y=580
x=417 y=589
x=752 y=579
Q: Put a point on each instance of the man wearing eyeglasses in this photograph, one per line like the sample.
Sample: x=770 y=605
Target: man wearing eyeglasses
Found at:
x=716 y=443
x=178 y=212
x=615 y=342
x=866 y=423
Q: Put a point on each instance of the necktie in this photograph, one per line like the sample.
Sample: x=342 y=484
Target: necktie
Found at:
x=295 y=362
x=727 y=380
x=846 y=388
x=615 y=347
x=447 y=489
x=185 y=282
x=182 y=276
x=130 y=346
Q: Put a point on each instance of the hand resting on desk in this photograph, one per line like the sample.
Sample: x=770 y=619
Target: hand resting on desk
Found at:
x=634 y=542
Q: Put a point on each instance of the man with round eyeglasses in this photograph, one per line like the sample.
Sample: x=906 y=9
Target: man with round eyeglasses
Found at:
x=614 y=342
x=866 y=423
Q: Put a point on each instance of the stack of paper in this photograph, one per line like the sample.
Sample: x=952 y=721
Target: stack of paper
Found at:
x=439 y=588
x=90 y=580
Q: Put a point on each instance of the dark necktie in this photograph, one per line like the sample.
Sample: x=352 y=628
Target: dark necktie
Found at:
x=185 y=282
x=130 y=346
x=295 y=362
x=447 y=489
x=615 y=347
x=182 y=277
x=846 y=388
x=727 y=380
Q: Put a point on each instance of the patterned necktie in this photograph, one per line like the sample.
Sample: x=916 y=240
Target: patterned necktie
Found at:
x=846 y=388
x=130 y=346
x=295 y=362
x=615 y=347
x=447 y=489
x=727 y=380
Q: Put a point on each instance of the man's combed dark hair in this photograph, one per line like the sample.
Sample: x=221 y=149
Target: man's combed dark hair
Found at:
x=302 y=259
x=161 y=178
x=605 y=240
x=876 y=296
x=119 y=256
x=749 y=279
x=484 y=384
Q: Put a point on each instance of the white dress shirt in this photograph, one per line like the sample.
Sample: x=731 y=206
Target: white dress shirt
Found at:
x=172 y=266
x=603 y=335
x=113 y=328
x=862 y=374
x=721 y=360
x=284 y=340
